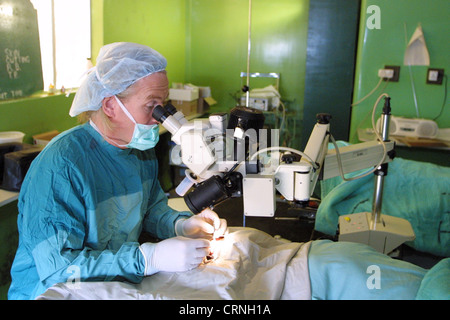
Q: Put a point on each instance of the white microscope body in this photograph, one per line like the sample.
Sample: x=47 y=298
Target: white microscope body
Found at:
x=234 y=161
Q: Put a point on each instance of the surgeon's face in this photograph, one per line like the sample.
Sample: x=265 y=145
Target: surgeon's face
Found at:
x=145 y=94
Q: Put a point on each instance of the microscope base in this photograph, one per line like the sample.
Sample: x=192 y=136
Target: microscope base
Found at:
x=384 y=236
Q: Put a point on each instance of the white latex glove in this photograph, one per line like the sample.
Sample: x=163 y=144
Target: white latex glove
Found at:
x=174 y=254
x=206 y=224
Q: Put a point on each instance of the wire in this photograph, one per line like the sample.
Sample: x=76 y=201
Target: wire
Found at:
x=283 y=116
x=369 y=94
x=367 y=114
x=315 y=166
x=445 y=99
x=380 y=139
x=338 y=155
x=414 y=91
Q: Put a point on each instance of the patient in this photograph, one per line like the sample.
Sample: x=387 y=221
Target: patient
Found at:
x=251 y=264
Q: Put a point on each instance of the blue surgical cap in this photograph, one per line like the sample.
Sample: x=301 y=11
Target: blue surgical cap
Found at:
x=119 y=65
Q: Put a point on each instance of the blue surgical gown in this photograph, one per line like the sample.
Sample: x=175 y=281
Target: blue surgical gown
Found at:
x=82 y=207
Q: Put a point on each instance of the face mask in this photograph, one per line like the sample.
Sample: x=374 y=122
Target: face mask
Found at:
x=144 y=136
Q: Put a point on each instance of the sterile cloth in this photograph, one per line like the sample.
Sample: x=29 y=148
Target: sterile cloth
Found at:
x=251 y=265
x=355 y=271
x=254 y=265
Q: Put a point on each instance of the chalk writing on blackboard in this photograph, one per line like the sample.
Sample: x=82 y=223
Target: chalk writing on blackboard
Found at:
x=11 y=94
x=13 y=61
x=20 y=52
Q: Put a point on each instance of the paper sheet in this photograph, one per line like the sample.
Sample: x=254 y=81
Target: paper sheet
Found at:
x=416 y=53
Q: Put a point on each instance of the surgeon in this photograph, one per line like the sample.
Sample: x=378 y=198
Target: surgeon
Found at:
x=91 y=192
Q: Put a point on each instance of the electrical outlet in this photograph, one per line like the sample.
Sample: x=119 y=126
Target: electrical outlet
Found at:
x=386 y=73
x=396 y=73
x=435 y=76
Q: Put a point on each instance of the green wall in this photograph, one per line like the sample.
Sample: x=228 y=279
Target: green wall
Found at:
x=386 y=46
x=217 y=50
x=97 y=40
x=158 y=24
x=37 y=114
x=205 y=41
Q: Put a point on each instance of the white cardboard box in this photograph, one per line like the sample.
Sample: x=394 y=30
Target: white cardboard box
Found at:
x=44 y=138
x=183 y=94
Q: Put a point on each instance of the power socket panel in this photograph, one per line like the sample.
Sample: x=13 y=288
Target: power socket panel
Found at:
x=435 y=76
x=396 y=76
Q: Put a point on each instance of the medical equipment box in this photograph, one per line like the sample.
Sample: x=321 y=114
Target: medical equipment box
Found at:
x=43 y=139
x=11 y=137
x=204 y=104
x=187 y=107
x=259 y=191
x=183 y=94
x=205 y=100
x=15 y=160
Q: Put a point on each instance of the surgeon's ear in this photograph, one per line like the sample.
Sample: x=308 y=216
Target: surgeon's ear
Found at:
x=108 y=106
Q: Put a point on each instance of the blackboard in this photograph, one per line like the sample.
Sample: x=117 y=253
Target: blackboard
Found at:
x=20 y=54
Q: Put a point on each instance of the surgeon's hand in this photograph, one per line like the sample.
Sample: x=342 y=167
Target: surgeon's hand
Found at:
x=206 y=225
x=174 y=254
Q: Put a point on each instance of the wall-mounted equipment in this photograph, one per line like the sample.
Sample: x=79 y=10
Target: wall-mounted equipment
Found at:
x=406 y=127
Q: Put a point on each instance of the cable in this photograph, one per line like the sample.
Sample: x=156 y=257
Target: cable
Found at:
x=367 y=114
x=315 y=166
x=338 y=155
x=445 y=99
x=414 y=91
x=283 y=116
x=380 y=139
x=369 y=94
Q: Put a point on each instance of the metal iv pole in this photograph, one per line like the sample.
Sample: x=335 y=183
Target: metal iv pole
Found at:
x=249 y=45
x=382 y=170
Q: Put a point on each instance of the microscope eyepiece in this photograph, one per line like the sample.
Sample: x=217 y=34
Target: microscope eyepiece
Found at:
x=170 y=109
x=159 y=114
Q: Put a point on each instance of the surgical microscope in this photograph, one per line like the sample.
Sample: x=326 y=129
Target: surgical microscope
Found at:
x=236 y=157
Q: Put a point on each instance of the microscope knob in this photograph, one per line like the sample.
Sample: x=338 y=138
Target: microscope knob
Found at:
x=323 y=118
